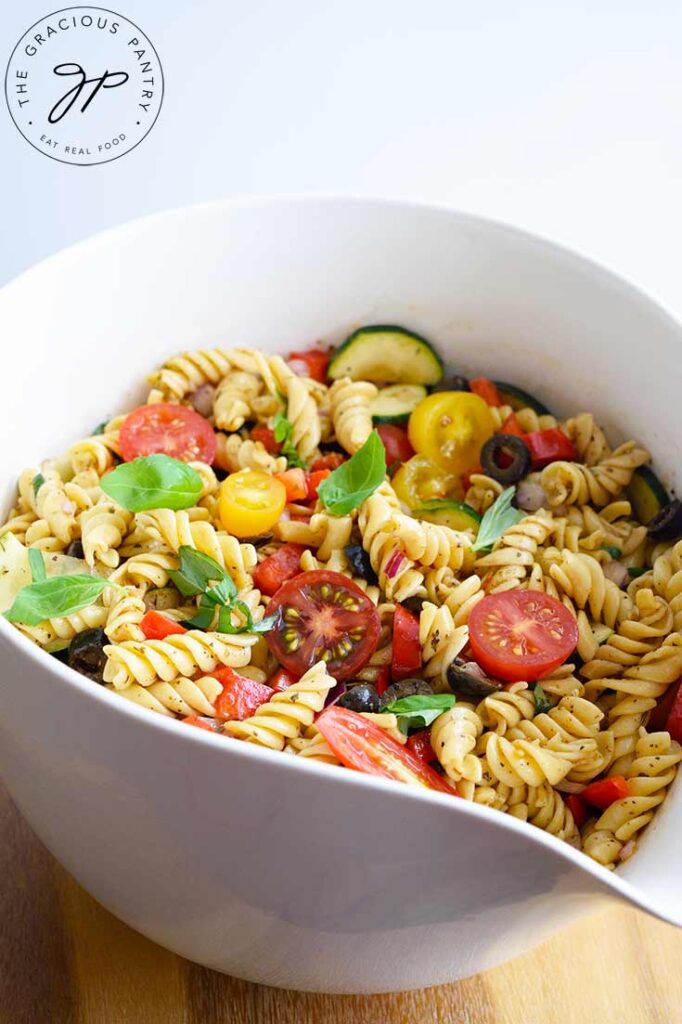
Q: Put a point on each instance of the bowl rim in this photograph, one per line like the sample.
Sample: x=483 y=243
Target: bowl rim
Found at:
x=43 y=661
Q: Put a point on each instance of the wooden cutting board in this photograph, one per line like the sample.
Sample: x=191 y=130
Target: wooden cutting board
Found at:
x=65 y=960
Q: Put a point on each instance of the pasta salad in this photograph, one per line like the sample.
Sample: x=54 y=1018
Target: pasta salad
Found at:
x=355 y=557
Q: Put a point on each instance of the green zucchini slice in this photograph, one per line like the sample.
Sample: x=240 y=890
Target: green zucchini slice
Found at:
x=445 y=512
x=646 y=494
x=519 y=399
x=386 y=353
x=395 y=403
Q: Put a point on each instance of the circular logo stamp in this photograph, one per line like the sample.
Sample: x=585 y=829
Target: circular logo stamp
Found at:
x=84 y=85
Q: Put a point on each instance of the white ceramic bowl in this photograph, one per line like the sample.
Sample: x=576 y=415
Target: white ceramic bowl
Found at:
x=250 y=862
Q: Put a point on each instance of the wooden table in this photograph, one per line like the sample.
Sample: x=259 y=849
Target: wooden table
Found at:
x=65 y=960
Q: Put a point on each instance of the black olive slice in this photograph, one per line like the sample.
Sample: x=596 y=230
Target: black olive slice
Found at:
x=667 y=524
x=466 y=678
x=505 y=458
x=362 y=697
x=75 y=549
x=360 y=563
x=86 y=653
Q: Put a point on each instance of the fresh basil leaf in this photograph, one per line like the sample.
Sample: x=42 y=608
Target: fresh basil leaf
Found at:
x=153 y=481
x=499 y=517
x=420 y=710
x=355 y=480
x=542 y=702
x=37 y=565
x=198 y=571
x=38 y=481
x=282 y=429
x=612 y=550
x=100 y=428
x=58 y=596
x=635 y=571
x=203 y=618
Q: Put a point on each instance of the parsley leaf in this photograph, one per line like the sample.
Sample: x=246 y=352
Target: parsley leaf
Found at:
x=636 y=570
x=420 y=710
x=542 y=702
x=499 y=517
x=355 y=480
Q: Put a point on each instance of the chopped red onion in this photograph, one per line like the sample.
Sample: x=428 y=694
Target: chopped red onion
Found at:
x=202 y=399
x=531 y=496
x=393 y=565
x=335 y=694
x=617 y=573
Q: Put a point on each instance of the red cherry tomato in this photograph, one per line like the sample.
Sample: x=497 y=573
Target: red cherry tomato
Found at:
x=577 y=807
x=396 y=442
x=485 y=389
x=240 y=696
x=521 y=634
x=362 y=745
x=281 y=680
x=314 y=481
x=382 y=680
x=201 y=722
x=312 y=363
x=549 y=446
x=407 y=651
x=420 y=744
x=604 y=792
x=668 y=713
x=512 y=426
x=466 y=477
x=156 y=626
x=295 y=483
x=332 y=460
x=323 y=613
x=167 y=429
x=267 y=439
x=277 y=568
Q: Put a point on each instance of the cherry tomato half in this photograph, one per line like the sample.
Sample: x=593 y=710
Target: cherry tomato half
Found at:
x=251 y=502
x=156 y=626
x=396 y=442
x=364 y=746
x=167 y=429
x=406 y=659
x=667 y=714
x=312 y=363
x=241 y=696
x=295 y=483
x=323 y=615
x=419 y=480
x=332 y=460
x=266 y=436
x=521 y=634
x=277 y=568
x=486 y=389
x=450 y=427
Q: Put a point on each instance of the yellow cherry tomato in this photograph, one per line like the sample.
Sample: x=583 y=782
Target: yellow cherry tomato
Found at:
x=251 y=502
x=449 y=428
x=419 y=480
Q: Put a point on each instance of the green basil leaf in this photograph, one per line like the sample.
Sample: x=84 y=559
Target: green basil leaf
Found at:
x=420 y=710
x=203 y=617
x=282 y=429
x=38 y=481
x=612 y=550
x=153 y=481
x=58 y=596
x=355 y=480
x=499 y=517
x=635 y=571
x=542 y=702
x=100 y=428
x=198 y=571
x=36 y=564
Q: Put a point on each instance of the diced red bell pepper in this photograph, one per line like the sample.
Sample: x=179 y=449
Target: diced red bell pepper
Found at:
x=276 y=569
x=312 y=363
x=407 y=652
x=512 y=426
x=332 y=460
x=396 y=442
x=673 y=722
x=420 y=744
x=240 y=697
x=295 y=484
x=281 y=680
x=604 y=792
x=314 y=481
x=550 y=445
x=266 y=436
x=201 y=722
x=485 y=389
x=577 y=807
x=156 y=626
x=382 y=680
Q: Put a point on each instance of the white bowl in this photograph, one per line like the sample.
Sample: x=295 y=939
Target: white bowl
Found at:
x=251 y=862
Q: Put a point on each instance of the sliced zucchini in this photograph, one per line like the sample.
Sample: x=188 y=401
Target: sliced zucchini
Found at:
x=519 y=399
x=646 y=494
x=601 y=634
x=395 y=403
x=388 y=353
x=445 y=512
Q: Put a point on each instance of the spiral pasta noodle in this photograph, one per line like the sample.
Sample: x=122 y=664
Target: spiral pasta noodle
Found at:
x=148 y=661
x=235 y=453
x=179 y=696
x=351 y=411
x=453 y=738
x=399 y=578
x=569 y=482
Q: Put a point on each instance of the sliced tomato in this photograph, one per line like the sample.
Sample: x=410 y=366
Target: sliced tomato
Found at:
x=550 y=445
x=314 y=481
x=673 y=723
x=577 y=807
x=420 y=744
x=605 y=792
x=396 y=442
x=295 y=484
x=667 y=715
x=281 y=680
x=156 y=626
x=276 y=569
x=512 y=426
x=240 y=697
x=167 y=429
x=266 y=436
x=521 y=634
x=449 y=428
x=323 y=615
x=407 y=652
x=201 y=722
x=365 y=747
x=332 y=460
x=251 y=502
x=419 y=480
x=312 y=363
x=485 y=389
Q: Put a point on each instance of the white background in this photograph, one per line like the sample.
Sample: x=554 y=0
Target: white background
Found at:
x=560 y=117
